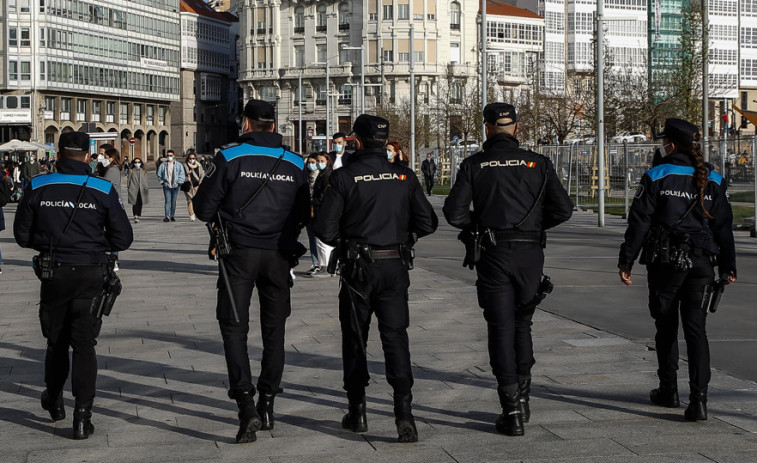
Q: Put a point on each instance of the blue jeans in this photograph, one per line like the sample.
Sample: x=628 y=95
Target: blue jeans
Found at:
x=170 y=194
x=313 y=248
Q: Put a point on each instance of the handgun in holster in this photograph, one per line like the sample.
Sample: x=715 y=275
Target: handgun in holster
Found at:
x=545 y=288
x=407 y=251
x=471 y=238
x=219 y=246
x=711 y=297
x=336 y=261
x=103 y=303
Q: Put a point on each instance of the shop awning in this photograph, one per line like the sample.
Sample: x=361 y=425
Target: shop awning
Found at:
x=751 y=116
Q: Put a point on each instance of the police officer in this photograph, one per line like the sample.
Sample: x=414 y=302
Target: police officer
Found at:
x=258 y=190
x=370 y=210
x=682 y=218
x=516 y=196
x=73 y=220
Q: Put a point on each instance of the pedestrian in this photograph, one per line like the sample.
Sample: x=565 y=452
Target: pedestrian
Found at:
x=395 y=154
x=84 y=233
x=428 y=168
x=6 y=190
x=338 y=156
x=682 y=219
x=325 y=167
x=311 y=164
x=194 y=173
x=516 y=196
x=110 y=168
x=30 y=168
x=258 y=191
x=127 y=165
x=137 y=189
x=373 y=209
x=171 y=176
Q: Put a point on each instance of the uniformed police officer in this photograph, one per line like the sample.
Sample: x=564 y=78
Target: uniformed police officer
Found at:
x=516 y=196
x=73 y=220
x=682 y=218
x=371 y=209
x=258 y=190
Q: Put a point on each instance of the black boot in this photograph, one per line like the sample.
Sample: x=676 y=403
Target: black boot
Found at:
x=510 y=422
x=524 y=388
x=403 y=418
x=697 y=409
x=265 y=410
x=83 y=420
x=665 y=397
x=54 y=406
x=249 y=420
x=355 y=419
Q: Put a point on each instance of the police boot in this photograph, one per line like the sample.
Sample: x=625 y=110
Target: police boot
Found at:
x=524 y=387
x=355 y=419
x=697 y=409
x=665 y=396
x=83 y=420
x=403 y=418
x=249 y=420
x=510 y=422
x=53 y=405
x=265 y=410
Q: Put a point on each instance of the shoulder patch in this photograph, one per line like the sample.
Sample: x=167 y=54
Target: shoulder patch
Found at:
x=230 y=145
x=639 y=192
x=210 y=171
x=715 y=177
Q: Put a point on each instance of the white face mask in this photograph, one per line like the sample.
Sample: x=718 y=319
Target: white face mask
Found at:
x=137 y=165
x=389 y=154
x=321 y=165
x=105 y=162
x=100 y=158
x=170 y=158
x=192 y=161
x=338 y=148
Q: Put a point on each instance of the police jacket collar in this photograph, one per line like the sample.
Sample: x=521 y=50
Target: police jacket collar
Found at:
x=504 y=138
x=70 y=166
x=366 y=153
x=679 y=159
x=267 y=139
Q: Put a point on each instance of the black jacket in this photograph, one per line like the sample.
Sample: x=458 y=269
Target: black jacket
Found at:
x=373 y=201
x=428 y=167
x=503 y=182
x=319 y=188
x=345 y=156
x=100 y=224
x=665 y=193
x=273 y=220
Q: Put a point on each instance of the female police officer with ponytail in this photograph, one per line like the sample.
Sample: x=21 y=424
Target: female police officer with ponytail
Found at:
x=682 y=219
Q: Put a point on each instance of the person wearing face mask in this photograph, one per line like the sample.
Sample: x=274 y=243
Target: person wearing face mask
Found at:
x=683 y=203
x=311 y=168
x=194 y=175
x=319 y=190
x=170 y=175
x=30 y=168
x=137 y=189
x=395 y=153
x=338 y=155
x=110 y=170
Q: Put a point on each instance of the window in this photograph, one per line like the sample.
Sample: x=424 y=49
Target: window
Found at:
x=320 y=95
x=25 y=40
x=123 y=113
x=454 y=52
x=24 y=5
x=299 y=55
x=26 y=70
x=388 y=55
x=97 y=110
x=81 y=110
x=137 y=114
x=12 y=37
x=150 y=116
x=419 y=57
x=299 y=20
x=344 y=16
x=388 y=12
x=454 y=12
x=11 y=102
x=345 y=94
x=12 y=70
x=321 y=18
x=372 y=16
x=42 y=75
x=50 y=103
x=321 y=53
x=268 y=94
x=42 y=37
x=403 y=57
x=65 y=109
x=26 y=102
x=162 y=115
x=403 y=11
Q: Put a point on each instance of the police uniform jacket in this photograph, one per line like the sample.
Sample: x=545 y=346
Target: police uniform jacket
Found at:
x=273 y=220
x=664 y=194
x=373 y=201
x=503 y=182
x=100 y=224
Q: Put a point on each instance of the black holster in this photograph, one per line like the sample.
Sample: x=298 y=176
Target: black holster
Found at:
x=545 y=288
x=711 y=296
x=43 y=266
x=103 y=303
x=472 y=239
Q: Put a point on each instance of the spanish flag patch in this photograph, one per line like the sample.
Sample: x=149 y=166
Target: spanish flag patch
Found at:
x=403 y=177
x=531 y=164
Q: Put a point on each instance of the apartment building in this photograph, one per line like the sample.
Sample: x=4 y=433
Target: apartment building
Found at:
x=283 y=44
x=109 y=64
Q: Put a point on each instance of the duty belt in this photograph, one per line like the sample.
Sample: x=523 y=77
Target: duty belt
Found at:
x=385 y=254
x=517 y=235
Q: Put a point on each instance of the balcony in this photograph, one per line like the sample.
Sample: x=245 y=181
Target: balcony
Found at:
x=344 y=27
x=454 y=27
x=260 y=31
x=345 y=101
x=320 y=102
x=299 y=29
x=320 y=28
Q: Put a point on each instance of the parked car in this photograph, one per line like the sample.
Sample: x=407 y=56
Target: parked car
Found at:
x=629 y=138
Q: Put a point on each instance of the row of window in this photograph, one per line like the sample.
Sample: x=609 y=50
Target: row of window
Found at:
x=720 y=56
x=109 y=78
x=554 y=21
x=15 y=102
x=723 y=6
x=204 y=31
x=581 y=22
x=206 y=59
x=501 y=32
x=749 y=37
x=96 y=14
x=723 y=32
x=749 y=68
x=110 y=108
x=107 y=47
x=580 y=53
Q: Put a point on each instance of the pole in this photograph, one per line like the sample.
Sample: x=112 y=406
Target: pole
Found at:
x=483 y=66
x=578 y=179
x=753 y=233
x=412 y=97
x=705 y=85
x=570 y=165
x=299 y=107
x=627 y=180
x=600 y=115
x=328 y=98
x=362 y=78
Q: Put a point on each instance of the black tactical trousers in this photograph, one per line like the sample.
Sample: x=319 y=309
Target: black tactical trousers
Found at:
x=671 y=292
x=266 y=269
x=509 y=274
x=429 y=180
x=64 y=314
x=384 y=292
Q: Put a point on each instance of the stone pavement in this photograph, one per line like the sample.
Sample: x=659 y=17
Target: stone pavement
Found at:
x=162 y=381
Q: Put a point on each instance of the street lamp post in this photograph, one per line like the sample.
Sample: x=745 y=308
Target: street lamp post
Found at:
x=412 y=94
x=299 y=107
x=600 y=115
x=362 y=75
x=483 y=66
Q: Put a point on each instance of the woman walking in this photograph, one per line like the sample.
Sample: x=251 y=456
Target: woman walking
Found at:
x=195 y=173
x=137 y=189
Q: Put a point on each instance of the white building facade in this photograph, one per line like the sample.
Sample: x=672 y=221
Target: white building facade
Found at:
x=72 y=62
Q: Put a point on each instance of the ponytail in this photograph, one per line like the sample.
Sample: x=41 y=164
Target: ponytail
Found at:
x=700 y=172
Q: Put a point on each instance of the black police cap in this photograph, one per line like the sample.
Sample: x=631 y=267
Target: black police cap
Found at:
x=495 y=111
x=678 y=130
x=259 y=110
x=367 y=126
x=73 y=141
